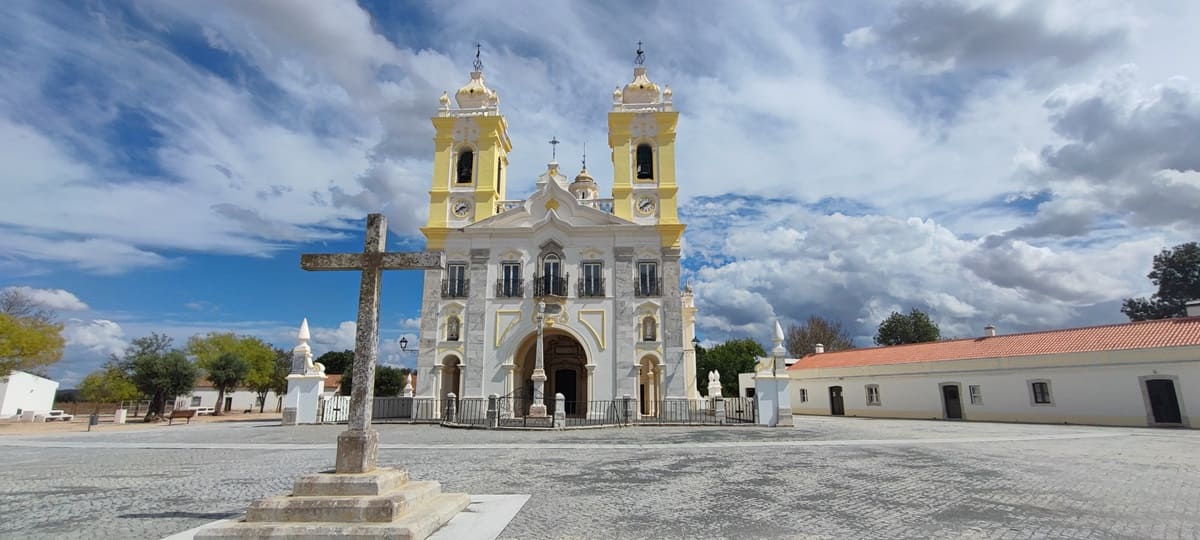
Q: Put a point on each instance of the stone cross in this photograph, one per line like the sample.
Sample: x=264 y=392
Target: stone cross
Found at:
x=358 y=445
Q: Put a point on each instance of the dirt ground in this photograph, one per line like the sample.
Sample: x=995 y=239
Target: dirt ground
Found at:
x=80 y=423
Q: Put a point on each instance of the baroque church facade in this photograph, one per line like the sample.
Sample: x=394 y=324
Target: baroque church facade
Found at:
x=602 y=273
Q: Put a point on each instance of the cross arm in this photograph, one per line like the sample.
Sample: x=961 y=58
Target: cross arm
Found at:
x=331 y=261
x=413 y=260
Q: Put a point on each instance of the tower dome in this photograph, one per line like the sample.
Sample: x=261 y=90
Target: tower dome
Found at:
x=475 y=95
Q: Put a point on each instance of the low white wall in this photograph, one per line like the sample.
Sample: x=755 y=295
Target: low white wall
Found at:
x=242 y=399
x=25 y=392
x=1109 y=392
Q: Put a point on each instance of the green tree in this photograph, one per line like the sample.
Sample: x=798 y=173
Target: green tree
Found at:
x=802 y=338
x=1176 y=273
x=30 y=337
x=389 y=381
x=258 y=356
x=28 y=344
x=283 y=366
x=157 y=370
x=730 y=358
x=915 y=327
x=225 y=373
x=108 y=385
x=337 y=362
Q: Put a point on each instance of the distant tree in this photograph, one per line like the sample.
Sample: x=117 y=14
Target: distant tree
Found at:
x=1176 y=272
x=730 y=358
x=226 y=373
x=283 y=366
x=915 y=327
x=389 y=381
x=30 y=337
x=157 y=370
x=258 y=356
x=108 y=385
x=337 y=362
x=802 y=338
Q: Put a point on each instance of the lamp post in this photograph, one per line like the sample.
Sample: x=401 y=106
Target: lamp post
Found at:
x=538 y=408
x=408 y=380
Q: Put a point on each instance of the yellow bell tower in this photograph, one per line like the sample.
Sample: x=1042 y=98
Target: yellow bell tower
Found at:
x=641 y=134
x=470 y=161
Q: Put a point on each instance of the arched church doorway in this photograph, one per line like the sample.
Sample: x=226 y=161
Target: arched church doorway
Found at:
x=451 y=377
x=649 y=393
x=564 y=360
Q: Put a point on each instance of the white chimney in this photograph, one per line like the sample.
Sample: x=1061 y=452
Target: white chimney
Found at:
x=1193 y=308
x=819 y=348
x=989 y=330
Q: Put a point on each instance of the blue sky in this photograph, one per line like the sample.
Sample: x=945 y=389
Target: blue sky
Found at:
x=164 y=164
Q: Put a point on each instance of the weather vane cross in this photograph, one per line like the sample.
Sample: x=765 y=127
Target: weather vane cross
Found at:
x=554 y=148
x=641 y=55
x=478 y=63
x=585 y=155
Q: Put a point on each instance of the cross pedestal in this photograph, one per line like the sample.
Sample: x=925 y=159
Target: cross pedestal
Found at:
x=357 y=499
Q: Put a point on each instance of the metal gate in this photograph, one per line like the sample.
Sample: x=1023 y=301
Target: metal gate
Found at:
x=335 y=409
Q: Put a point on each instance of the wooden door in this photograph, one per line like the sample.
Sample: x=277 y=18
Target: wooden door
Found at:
x=952 y=401
x=837 y=407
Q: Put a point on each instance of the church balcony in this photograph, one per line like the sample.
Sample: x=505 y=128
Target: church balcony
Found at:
x=550 y=286
x=455 y=288
x=510 y=288
x=589 y=288
x=648 y=288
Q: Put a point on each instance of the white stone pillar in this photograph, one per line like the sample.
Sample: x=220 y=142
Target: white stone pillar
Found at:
x=538 y=408
x=438 y=402
x=306 y=383
x=590 y=384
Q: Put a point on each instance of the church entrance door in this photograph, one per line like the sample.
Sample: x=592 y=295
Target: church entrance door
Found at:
x=952 y=402
x=836 y=406
x=564 y=383
x=564 y=360
x=1164 y=404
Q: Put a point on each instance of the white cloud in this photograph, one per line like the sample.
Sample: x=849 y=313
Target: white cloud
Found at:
x=97 y=335
x=52 y=299
x=334 y=339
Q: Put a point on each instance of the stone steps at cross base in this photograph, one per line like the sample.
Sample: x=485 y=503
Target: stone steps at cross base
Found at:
x=346 y=509
x=418 y=523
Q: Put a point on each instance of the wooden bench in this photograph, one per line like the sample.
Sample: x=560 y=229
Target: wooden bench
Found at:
x=181 y=413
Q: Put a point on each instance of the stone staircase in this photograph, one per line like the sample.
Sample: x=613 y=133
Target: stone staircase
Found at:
x=383 y=503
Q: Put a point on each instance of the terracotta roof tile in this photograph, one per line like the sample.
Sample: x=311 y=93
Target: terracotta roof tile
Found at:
x=1114 y=337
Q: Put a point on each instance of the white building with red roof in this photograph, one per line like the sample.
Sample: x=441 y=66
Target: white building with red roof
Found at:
x=1133 y=374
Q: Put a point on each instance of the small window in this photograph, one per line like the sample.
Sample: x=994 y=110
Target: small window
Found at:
x=873 y=394
x=466 y=165
x=645 y=162
x=195 y=401
x=649 y=329
x=510 y=283
x=592 y=283
x=452 y=328
x=803 y=395
x=455 y=285
x=976 y=394
x=1041 y=392
x=749 y=392
x=648 y=279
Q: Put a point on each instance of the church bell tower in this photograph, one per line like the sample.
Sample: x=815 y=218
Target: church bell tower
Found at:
x=470 y=162
x=641 y=134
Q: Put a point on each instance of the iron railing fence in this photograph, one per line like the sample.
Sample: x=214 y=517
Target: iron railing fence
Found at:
x=550 y=285
x=466 y=412
x=456 y=288
x=648 y=288
x=589 y=288
x=678 y=411
x=407 y=409
x=510 y=288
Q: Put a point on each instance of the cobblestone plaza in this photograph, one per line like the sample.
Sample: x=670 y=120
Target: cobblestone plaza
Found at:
x=827 y=478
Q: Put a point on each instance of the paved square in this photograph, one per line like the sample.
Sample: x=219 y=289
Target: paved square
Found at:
x=827 y=478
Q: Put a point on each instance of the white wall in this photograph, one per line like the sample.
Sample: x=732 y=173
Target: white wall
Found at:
x=242 y=399
x=1107 y=391
x=26 y=392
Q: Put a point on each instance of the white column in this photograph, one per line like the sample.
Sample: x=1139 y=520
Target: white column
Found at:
x=538 y=408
